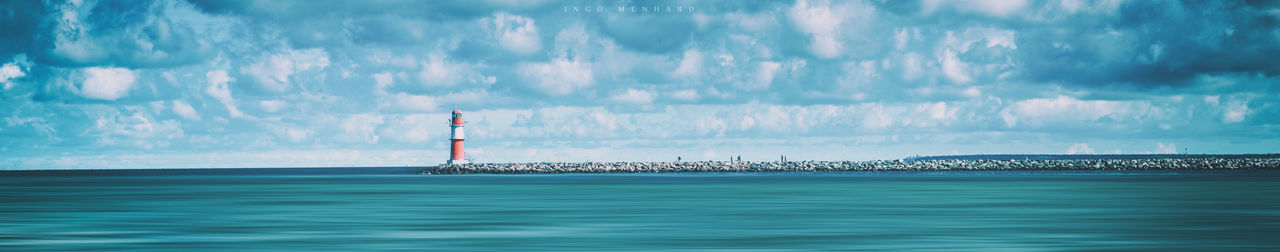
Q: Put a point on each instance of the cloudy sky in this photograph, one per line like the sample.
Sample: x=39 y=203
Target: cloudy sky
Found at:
x=174 y=83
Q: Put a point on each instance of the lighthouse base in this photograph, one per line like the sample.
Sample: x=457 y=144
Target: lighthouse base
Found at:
x=458 y=161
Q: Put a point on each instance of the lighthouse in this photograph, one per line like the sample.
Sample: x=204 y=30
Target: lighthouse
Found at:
x=455 y=136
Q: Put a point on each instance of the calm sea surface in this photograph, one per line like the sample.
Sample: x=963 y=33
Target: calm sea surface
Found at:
x=395 y=209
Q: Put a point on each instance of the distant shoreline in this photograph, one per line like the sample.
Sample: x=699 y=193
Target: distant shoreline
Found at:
x=1189 y=163
x=1086 y=156
x=984 y=162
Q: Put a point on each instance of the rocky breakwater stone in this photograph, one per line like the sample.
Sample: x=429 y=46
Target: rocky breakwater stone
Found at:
x=877 y=165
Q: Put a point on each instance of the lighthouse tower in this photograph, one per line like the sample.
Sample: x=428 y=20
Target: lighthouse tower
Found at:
x=455 y=136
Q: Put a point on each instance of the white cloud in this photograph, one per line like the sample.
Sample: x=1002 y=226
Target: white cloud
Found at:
x=875 y=118
x=44 y=127
x=971 y=92
x=399 y=101
x=821 y=23
x=297 y=135
x=690 y=64
x=106 y=83
x=185 y=111
x=1105 y=7
x=272 y=72
x=901 y=38
x=394 y=59
x=925 y=115
x=467 y=97
x=77 y=35
x=764 y=74
x=573 y=42
x=558 y=77
x=1080 y=148
x=825 y=46
x=785 y=119
x=416 y=103
x=411 y=128
x=813 y=19
x=68 y=31
x=1211 y=100
x=752 y=23
x=436 y=72
x=746 y=123
x=566 y=122
x=360 y=128
x=314 y=58
x=912 y=68
x=1070 y=6
x=813 y=120
x=136 y=125
x=955 y=70
x=157 y=106
x=936 y=111
x=961 y=72
x=726 y=60
x=218 y=76
x=382 y=80
x=993 y=36
x=859 y=74
x=993 y=8
x=8 y=72
x=685 y=95
x=294 y=135
x=114 y=128
x=709 y=125
x=272 y=106
x=1063 y=109
x=516 y=33
x=1235 y=112
x=219 y=90
x=1162 y=148
x=406 y=102
x=1156 y=50
x=634 y=97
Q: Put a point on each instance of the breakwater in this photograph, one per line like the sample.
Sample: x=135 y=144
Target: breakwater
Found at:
x=878 y=165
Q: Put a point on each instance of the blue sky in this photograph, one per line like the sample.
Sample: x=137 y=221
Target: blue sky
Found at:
x=174 y=83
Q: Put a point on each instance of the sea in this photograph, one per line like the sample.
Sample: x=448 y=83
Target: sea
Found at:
x=397 y=208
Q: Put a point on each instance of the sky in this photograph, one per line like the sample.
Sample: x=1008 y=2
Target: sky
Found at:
x=302 y=83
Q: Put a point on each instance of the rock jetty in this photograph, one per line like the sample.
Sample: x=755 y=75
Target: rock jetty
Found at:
x=879 y=165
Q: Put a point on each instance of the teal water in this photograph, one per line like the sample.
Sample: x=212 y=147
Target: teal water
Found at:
x=393 y=209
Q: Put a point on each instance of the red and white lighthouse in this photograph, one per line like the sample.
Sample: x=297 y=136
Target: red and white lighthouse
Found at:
x=455 y=136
